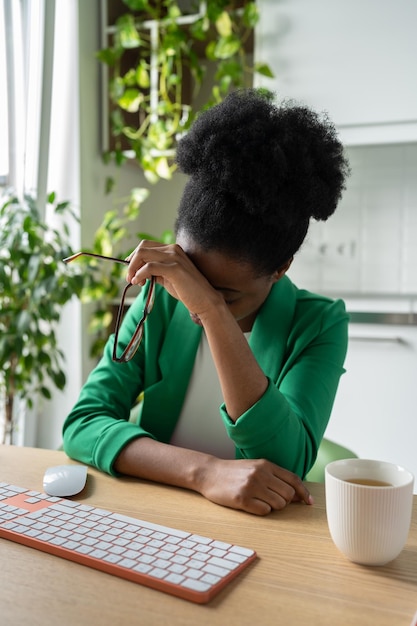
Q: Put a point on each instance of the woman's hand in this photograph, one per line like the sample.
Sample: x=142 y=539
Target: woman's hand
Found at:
x=173 y=269
x=256 y=486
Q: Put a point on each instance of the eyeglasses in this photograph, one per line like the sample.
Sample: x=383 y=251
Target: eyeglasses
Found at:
x=131 y=348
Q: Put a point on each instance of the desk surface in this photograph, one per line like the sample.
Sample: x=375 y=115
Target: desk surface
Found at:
x=299 y=577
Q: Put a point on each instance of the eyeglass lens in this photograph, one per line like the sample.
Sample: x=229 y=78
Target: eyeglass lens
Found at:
x=134 y=343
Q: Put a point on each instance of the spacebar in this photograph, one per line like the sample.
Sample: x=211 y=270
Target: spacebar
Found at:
x=150 y=525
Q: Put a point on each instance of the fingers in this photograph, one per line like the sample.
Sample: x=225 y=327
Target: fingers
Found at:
x=135 y=261
x=147 y=253
x=281 y=489
x=267 y=500
x=293 y=484
x=275 y=486
x=258 y=507
x=258 y=486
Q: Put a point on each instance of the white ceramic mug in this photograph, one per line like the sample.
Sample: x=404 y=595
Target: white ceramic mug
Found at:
x=368 y=523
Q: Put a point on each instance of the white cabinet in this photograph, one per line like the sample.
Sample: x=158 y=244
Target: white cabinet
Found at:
x=369 y=245
x=354 y=59
x=375 y=412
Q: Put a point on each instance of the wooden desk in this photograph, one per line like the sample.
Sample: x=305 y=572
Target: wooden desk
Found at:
x=299 y=577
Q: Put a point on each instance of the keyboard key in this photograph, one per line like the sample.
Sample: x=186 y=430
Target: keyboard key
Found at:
x=195 y=585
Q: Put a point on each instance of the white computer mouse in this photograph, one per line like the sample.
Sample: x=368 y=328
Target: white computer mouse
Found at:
x=64 y=480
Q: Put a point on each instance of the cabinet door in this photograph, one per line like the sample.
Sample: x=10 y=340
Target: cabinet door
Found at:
x=375 y=412
x=356 y=60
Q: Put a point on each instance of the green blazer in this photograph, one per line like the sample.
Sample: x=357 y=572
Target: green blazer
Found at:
x=299 y=340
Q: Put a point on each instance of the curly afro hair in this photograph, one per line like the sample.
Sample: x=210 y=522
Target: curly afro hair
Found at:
x=257 y=173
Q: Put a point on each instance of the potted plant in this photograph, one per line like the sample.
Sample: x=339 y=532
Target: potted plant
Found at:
x=34 y=286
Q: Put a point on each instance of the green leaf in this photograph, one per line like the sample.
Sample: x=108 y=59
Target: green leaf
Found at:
x=137 y=5
x=139 y=195
x=33 y=267
x=59 y=379
x=108 y=56
x=250 y=15
x=173 y=10
x=225 y=84
x=100 y=321
x=119 y=157
x=129 y=79
x=224 y=24
x=116 y=90
x=109 y=185
x=215 y=8
x=127 y=33
x=199 y=28
x=211 y=51
x=131 y=100
x=264 y=70
x=97 y=346
x=162 y=168
x=226 y=47
x=142 y=76
x=168 y=237
x=150 y=174
x=46 y=393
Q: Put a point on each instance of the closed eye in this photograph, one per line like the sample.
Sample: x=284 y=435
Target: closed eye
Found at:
x=229 y=297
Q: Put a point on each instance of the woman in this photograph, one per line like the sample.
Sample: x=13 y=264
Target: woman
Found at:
x=228 y=328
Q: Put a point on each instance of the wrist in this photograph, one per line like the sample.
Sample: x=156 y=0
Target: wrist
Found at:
x=201 y=471
x=217 y=314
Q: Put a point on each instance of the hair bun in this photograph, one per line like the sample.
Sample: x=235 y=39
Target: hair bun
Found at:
x=271 y=159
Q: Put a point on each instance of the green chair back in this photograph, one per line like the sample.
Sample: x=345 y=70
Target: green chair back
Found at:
x=328 y=451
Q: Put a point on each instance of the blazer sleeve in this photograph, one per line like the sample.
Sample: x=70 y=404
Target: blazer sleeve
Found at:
x=287 y=424
x=98 y=427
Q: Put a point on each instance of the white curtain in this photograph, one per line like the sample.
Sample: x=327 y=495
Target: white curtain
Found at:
x=42 y=70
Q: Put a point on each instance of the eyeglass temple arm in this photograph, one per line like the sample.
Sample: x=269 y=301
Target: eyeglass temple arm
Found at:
x=68 y=259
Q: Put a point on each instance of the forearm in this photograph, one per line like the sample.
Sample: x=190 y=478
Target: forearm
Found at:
x=163 y=463
x=255 y=486
x=241 y=379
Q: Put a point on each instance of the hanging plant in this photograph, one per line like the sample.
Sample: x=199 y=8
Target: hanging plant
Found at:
x=158 y=56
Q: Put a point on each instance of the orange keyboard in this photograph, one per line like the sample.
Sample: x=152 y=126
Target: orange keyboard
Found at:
x=189 y=566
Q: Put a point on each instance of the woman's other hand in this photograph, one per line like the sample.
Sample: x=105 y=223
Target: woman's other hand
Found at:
x=256 y=486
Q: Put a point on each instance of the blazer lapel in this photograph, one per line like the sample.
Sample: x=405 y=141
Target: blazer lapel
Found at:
x=270 y=332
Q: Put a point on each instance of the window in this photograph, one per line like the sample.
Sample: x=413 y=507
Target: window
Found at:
x=23 y=45
x=4 y=134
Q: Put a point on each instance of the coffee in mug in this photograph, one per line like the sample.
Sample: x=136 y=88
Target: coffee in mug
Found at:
x=370 y=482
x=368 y=507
